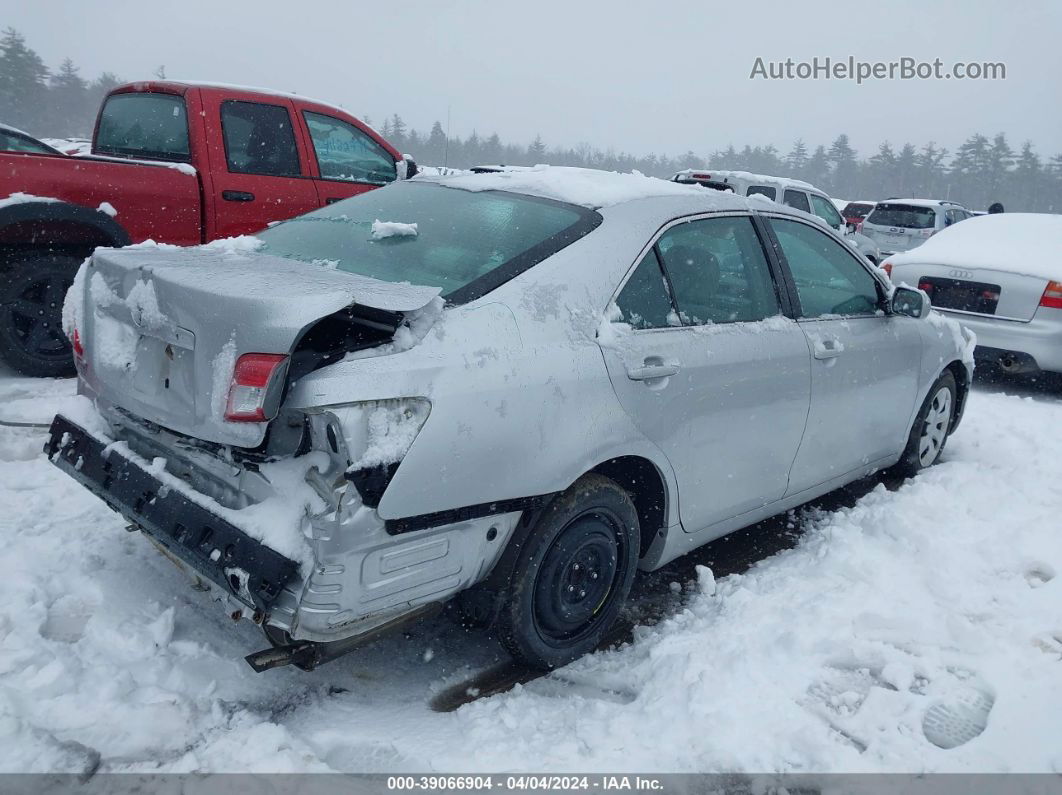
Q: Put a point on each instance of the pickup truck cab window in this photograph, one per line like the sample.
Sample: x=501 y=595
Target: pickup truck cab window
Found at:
x=346 y=153
x=762 y=190
x=151 y=126
x=259 y=139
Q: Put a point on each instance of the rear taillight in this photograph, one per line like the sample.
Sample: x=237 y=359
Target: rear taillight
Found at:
x=1052 y=296
x=255 y=390
x=75 y=343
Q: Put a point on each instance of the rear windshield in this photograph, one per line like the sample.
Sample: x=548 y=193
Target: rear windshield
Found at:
x=465 y=242
x=144 y=125
x=907 y=216
x=853 y=210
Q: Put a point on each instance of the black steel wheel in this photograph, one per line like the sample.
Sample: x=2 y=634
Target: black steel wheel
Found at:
x=572 y=575
x=32 y=292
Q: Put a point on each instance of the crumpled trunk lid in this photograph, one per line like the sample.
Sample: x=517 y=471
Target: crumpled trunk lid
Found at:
x=163 y=327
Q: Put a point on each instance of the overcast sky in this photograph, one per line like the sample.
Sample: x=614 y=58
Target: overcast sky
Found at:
x=667 y=77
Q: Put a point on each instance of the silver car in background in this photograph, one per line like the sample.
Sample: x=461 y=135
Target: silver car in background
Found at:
x=1000 y=276
x=516 y=388
x=897 y=225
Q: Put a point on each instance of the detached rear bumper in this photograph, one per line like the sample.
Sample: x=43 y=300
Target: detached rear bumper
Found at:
x=207 y=543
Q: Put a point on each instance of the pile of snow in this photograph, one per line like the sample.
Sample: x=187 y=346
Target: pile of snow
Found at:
x=382 y=230
x=891 y=623
x=1025 y=243
x=584 y=186
x=22 y=198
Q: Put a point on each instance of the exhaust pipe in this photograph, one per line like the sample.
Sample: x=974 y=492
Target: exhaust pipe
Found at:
x=1008 y=364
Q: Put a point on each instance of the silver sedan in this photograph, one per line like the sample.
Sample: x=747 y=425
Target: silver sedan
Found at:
x=516 y=388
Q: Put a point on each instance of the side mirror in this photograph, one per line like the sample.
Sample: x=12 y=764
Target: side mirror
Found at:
x=411 y=166
x=850 y=227
x=910 y=303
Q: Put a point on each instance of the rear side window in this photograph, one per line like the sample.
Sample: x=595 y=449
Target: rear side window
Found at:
x=906 y=216
x=718 y=271
x=144 y=125
x=797 y=199
x=762 y=190
x=645 y=301
x=346 y=153
x=259 y=139
x=13 y=142
x=829 y=279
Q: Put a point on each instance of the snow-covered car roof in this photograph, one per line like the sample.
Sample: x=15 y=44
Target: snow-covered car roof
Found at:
x=1025 y=243
x=587 y=187
x=723 y=175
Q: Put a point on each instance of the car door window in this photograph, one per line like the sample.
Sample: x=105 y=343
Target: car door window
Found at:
x=645 y=300
x=762 y=190
x=346 y=153
x=829 y=280
x=259 y=139
x=797 y=199
x=718 y=271
x=825 y=210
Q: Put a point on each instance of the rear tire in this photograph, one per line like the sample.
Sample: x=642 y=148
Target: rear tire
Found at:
x=32 y=292
x=931 y=427
x=572 y=575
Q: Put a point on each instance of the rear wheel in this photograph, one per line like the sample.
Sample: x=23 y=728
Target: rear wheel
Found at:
x=930 y=431
x=572 y=575
x=32 y=292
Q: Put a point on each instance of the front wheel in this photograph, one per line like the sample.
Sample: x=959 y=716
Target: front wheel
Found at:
x=32 y=292
x=572 y=575
x=931 y=427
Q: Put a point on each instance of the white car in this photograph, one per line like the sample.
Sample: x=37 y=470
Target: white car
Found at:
x=791 y=192
x=897 y=225
x=1000 y=276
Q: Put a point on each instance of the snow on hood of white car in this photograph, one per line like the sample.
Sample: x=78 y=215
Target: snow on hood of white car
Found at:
x=1023 y=243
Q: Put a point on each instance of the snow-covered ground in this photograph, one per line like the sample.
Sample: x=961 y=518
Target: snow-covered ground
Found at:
x=895 y=612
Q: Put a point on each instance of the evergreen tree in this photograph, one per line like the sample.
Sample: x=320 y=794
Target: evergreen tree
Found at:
x=796 y=162
x=537 y=151
x=842 y=160
x=68 y=102
x=23 y=90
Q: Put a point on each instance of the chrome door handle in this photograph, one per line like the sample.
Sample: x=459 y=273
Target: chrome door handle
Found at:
x=828 y=349
x=652 y=371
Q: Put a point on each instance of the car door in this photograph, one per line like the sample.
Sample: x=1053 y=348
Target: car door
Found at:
x=709 y=370
x=348 y=160
x=260 y=176
x=865 y=363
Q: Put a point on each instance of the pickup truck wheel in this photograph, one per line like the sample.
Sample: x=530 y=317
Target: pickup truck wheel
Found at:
x=572 y=575
x=32 y=292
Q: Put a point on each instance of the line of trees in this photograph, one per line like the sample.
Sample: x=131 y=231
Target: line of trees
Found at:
x=62 y=104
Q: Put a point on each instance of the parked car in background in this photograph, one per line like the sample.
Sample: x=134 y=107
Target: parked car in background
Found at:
x=14 y=140
x=533 y=382
x=902 y=224
x=1000 y=276
x=174 y=162
x=790 y=192
x=854 y=213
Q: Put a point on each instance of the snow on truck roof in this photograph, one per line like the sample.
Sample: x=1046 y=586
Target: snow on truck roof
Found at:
x=747 y=176
x=587 y=187
x=1025 y=243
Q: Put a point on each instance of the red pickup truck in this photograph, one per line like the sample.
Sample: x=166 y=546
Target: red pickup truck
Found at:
x=175 y=163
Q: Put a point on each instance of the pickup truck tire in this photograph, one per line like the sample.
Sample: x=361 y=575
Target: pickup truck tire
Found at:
x=32 y=291
x=572 y=575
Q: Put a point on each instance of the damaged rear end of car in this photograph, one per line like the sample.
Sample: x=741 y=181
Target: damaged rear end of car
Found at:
x=185 y=359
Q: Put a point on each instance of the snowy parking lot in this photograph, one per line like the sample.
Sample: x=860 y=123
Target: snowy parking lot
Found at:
x=880 y=630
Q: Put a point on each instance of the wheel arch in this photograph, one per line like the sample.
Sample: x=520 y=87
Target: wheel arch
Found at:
x=962 y=390
x=648 y=490
x=56 y=228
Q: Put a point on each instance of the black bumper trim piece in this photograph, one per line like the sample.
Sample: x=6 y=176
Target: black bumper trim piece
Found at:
x=425 y=521
x=203 y=540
